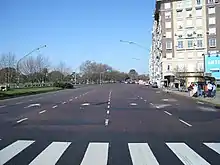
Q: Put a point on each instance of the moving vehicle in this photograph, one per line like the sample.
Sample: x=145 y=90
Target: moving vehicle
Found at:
x=154 y=85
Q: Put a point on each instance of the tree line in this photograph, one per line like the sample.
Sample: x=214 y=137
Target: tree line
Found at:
x=38 y=69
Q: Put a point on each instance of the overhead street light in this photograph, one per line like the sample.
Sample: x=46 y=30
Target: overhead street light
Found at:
x=134 y=43
x=18 y=72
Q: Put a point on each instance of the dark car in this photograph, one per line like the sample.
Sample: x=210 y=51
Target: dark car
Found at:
x=154 y=85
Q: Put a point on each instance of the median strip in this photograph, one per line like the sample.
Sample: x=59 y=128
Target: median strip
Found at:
x=21 y=120
x=185 y=123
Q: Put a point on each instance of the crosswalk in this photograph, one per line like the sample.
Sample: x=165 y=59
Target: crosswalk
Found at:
x=97 y=153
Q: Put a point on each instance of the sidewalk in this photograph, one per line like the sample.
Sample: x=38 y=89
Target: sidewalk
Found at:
x=214 y=101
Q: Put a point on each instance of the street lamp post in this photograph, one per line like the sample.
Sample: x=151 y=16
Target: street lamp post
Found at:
x=134 y=43
x=17 y=67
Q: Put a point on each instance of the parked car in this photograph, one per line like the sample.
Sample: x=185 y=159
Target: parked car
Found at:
x=154 y=85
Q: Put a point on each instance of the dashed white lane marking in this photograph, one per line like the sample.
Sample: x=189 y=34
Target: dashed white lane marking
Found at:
x=12 y=150
x=70 y=99
x=106 y=121
x=108 y=102
x=42 y=111
x=33 y=105
x=185 y=123
x=133 y=104
x=108 y=106
x=168 y=113
x=21 y=120
x=151 y=103
x=2 y=106
x=19 y=103
x=51 y=154
x=141 y=98
x=76 y=97
x=157 y=91
x=199 y=102
x=85 y=104
x=145 y=100
x=55 y=106
x=108 y=112
x=64 y=102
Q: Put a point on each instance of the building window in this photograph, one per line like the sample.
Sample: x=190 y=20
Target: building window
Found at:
x=188 y=3
x=198 y=2
x=199 y=43
x=189 y=13
x=189 y=23
x=169 y=55
x=168 y=25
x=168 y=67
x=199 y=33
x=211 y=10
x=198 y=22
x=179 y=24
x=199 y=12
x=180 y=44
x=211 y=1
x=190 y=43
x=167 y=5
x=212 y=21
x=179 y=5
x=167 y=15
x=169 y=45
x=168 y=35
x=212 y=31
x=212 y=42
x=179 y=14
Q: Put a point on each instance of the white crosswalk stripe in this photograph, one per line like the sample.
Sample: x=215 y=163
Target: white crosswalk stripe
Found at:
x=51 y=154
x=141 y=154
x=12 y=150
x=186 y=154
x=98 y=153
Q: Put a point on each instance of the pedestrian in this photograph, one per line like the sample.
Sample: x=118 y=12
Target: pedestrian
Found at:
x=209 y=89
x=213 y=90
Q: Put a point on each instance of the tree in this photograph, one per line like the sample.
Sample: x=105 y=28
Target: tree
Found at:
x=7 y=66
x=133 y=74
x=181 y=73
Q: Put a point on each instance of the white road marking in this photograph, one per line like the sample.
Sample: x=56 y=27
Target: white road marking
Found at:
x=21 y=120
x=96 y=154
x=55 y=106
x=70 y=99
x=199 y=102
x=33 y=105
x=108 y=112
x=163 y=105
x=76 y=97
x=12 y=150
x=2 y=106
x=42 y=111
x=145 y=100
x=141 y=154
x=85 y=104
x=186 y=154
x=64 y=102
x=108 y=102
x=19 y=103
x=168 y=113
x=106 y=121
x=157 y=91
x=185 y=123
x=214 y=146
x=133 y=104
x=30 y=100
x=108 y=106
x=141 y=98
x=207 y=109
x=151 y=103
x=51 y=154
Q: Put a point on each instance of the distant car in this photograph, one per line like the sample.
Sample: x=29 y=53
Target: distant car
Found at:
x=154 y=85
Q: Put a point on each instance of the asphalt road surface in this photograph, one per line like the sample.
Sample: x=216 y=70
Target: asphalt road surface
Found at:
x=116 y=124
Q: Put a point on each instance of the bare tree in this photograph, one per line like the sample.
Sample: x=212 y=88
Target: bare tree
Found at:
x=62 y=68
x=7 y=66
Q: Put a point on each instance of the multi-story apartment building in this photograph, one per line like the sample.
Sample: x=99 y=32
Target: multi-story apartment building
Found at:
x=187 y=30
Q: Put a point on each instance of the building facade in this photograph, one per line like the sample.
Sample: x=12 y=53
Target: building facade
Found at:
x=189 y=30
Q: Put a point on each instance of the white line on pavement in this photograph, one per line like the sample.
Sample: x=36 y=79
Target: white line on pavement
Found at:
x=70 y=99
x=108 y=111
x=42 y=111
x=199 y=102
x=64 y=102
x=76 y=97
x=108 y=102
x=108 y=106
x=32 y=105
x=55 y=106
x=19 y=103
x=30 y=100
x=185 y=122
x=145 y=100
x=2 y=106
x=168 y=113
x=19 y=121
x=151 y=103
x=106 y=121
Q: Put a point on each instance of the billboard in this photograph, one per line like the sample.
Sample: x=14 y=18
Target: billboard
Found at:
x=212 y=65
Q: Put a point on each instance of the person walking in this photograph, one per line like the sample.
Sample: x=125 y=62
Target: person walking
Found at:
x=209 y=89
x=213 y=90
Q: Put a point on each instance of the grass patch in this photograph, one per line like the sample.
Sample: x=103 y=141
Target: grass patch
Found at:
x=26 y=91
x=218 y=89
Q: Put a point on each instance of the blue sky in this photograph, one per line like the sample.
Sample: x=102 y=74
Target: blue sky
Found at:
x=79 y=30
